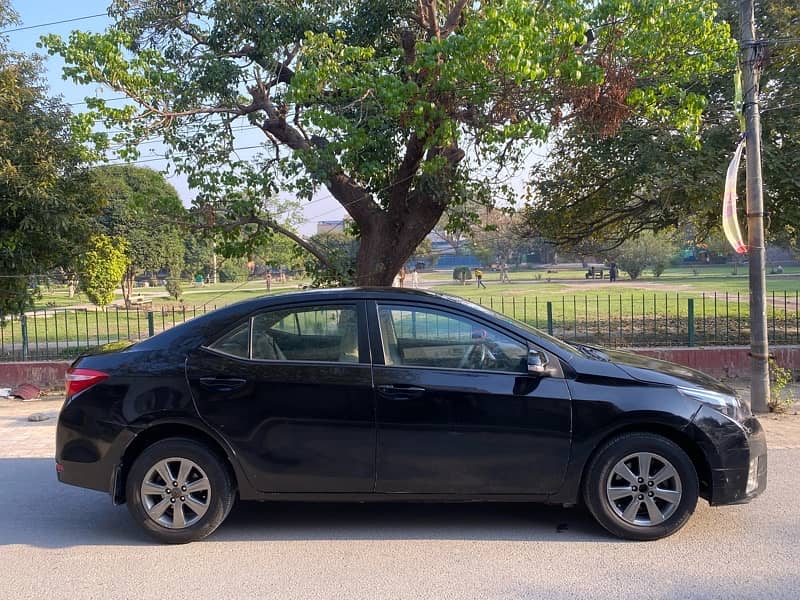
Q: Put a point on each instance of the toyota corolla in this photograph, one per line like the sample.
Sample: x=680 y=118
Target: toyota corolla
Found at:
x=374 y=395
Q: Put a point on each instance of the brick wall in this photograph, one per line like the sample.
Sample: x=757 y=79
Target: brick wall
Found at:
x=45 y=374
x=723 y=361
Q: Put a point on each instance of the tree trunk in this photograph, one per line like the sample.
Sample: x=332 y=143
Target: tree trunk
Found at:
x=127 y=287
x=389 y=239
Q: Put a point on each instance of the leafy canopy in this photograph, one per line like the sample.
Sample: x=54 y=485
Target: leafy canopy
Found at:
x=399 y=108
x=46 y=199
x=144 y=210
x=651 y=177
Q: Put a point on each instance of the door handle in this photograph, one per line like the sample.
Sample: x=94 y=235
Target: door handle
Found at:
x=222 y=384
x=400 y=392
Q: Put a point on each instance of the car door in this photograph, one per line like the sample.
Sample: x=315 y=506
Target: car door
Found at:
x=290 y=388
x=457 y=410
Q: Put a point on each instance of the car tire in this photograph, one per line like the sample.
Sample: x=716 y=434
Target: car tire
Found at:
x=188 y=511
x=641 y=486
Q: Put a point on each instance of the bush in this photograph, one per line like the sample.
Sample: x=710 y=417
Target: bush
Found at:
x=647 y=250
x=462 y=274
x=101 y=268
x=174 y=288
x=230 y=272
x=781 y=399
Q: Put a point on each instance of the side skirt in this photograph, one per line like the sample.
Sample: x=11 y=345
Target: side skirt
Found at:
x=394 y=497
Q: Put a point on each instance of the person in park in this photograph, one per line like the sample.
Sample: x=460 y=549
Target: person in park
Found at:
x=612 y=272
x=504 y=278
x=479 y=276
x=269 y=280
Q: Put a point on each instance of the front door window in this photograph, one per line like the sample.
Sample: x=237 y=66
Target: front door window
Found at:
x=422 y=337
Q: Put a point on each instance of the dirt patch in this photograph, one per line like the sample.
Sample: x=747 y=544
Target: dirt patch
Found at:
x=658 y=287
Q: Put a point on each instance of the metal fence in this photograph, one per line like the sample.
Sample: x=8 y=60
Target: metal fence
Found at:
x=658 y=319
x=614 y=320
x=59 y=333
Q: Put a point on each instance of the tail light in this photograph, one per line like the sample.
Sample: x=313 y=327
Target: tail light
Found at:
x=78 y=380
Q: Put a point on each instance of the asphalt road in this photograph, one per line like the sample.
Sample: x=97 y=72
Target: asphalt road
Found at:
x=62 y=542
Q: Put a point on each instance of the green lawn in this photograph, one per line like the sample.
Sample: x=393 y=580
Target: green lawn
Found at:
x=648 y=311
x=219 y=294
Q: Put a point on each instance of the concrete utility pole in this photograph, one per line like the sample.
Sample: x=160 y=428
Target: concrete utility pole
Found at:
x=759 y=347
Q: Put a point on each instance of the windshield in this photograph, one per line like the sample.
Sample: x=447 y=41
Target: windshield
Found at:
x=516 y=323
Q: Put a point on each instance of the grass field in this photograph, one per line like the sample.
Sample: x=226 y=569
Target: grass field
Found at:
x=648 y=311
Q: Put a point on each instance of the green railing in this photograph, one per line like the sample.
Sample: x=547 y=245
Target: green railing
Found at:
x=615 y=320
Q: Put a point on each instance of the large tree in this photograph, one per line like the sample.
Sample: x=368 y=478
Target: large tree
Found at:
x=398 y=108
x=144 y=210
x=46 y=200
x=651 y=177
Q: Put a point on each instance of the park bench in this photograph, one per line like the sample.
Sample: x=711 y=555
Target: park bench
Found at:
x=596 y=272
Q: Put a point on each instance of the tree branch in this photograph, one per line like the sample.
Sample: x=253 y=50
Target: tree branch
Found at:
x=278 y=228
x=407 y=169
x=453 y=18
x=354 y=199
x=431 y=14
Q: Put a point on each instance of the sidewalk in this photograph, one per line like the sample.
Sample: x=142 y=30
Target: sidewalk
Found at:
x=783 y=430
x=21 y=438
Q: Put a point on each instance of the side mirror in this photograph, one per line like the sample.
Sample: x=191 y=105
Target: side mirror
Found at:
x=537 y=362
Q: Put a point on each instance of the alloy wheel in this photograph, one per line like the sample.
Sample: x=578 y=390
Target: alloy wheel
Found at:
x=176 y=493
x=644 y=489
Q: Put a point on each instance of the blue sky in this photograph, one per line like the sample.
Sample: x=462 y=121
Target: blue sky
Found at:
x=39 y=12
x=36 y=12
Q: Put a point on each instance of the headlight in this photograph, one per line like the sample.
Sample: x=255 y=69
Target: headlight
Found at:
x=727 y=404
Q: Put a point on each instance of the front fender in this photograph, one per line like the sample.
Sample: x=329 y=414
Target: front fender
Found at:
x=603 y=409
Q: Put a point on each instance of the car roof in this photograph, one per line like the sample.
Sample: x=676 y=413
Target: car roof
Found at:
x=348 y=293
x=195 y=331
x=211 y=322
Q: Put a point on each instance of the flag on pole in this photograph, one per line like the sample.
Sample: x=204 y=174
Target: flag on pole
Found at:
x=730 y=224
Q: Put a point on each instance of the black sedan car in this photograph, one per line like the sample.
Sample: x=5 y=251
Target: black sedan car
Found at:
x=387 y=395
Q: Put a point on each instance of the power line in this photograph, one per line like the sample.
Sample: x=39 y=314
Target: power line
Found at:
x=40 y=25
x=103 y=99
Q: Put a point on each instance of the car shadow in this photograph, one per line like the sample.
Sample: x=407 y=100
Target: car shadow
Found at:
x=37 y=510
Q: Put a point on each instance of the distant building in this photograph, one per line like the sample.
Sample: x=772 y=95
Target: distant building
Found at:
x=330 y=226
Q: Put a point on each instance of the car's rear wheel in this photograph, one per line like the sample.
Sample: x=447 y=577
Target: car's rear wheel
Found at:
x=641 y=486
x=179 y=491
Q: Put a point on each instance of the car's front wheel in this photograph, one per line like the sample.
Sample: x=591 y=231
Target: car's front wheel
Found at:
x=179 y=491
x=641 y=486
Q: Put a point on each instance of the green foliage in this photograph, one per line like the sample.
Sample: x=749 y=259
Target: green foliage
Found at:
x=233 y=270
x=101 y=267
x=278 y=251
x=46 y=200
x=342 y=248
x=144 y=210
x=646 y=250
x=462 y=274
x=781 y=399
x=198 y=256
x=497 y=238
x=659 y=265
x=379 y=100
x=173 y=283
x=651 y=176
